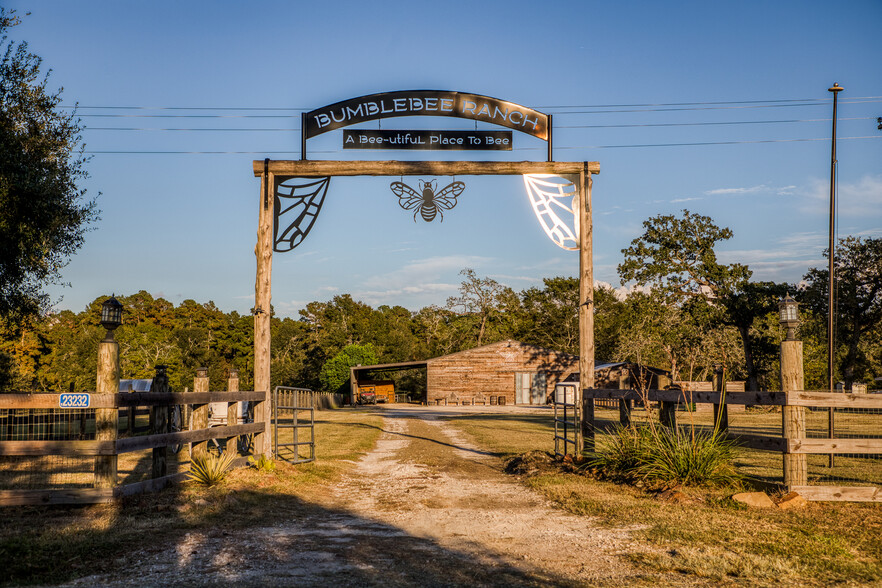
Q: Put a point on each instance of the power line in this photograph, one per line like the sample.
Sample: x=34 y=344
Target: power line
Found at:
x=224 y=129
x=187 y=116
x=695 y=124
x=852 y=98
x=302 y=109
x=158 y=152
x=714 y=143
x=619 y=111
x=701 y=124
x=701 y=108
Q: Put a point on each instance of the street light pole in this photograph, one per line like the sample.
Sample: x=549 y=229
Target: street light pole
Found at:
x=831 y=274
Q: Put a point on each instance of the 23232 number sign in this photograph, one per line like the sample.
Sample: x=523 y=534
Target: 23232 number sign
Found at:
x=69 y=400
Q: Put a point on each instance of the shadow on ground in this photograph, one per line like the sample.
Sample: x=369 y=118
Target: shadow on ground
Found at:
x=242 y=538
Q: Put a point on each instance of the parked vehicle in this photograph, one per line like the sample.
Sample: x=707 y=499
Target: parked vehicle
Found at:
x=367 y=395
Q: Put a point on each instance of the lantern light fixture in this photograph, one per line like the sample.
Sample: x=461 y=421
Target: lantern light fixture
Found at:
x=788 y=316
x=111 y=316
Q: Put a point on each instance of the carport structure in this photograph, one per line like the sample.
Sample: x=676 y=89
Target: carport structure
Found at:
x=504 y=372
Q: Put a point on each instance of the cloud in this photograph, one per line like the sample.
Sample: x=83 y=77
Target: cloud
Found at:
x=861 y=198
x=727 y=191
x=786 y=260
x=418 y=279
x=678 y=200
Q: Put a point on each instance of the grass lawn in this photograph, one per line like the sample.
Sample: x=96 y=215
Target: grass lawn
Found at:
x=42 y=545
x=710 y=536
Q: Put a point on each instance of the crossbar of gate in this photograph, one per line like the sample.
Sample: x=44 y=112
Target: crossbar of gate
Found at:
x=565 y=421
x=288 y=405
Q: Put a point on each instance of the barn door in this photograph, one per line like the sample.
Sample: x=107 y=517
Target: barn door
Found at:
x=530 y=388
x=523 y=385
x=538 y=391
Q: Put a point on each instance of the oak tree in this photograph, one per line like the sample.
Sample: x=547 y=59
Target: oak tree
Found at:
x=677 y=256
x=858 y=299
x=43 y=211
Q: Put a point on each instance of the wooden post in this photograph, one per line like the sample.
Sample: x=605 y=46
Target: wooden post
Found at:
x=793 y=417
x=353 y=386
x=585 y=406
x=200 y=411
x=107 y=419
x=588 y=425
x=721 y=411
x=159 y=422
x=625 y=405
x=667 y=414
x=262 y=308
x=130 y=420
x=232 y=410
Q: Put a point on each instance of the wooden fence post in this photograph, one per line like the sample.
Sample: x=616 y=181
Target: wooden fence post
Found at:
x=624 y=405
x=667 y=413
x=584 y=432
x=262 y=307
x=588 y=424
x=793 y=417
x=200 y=411
x=721 y=411
x=107 y=419
x=232 y=410
x=159 y=422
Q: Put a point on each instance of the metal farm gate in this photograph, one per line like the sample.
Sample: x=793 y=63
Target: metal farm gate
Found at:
x=294 y=424
x=566 y=421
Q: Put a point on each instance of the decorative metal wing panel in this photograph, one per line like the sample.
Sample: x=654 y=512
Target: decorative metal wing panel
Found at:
x=297 y=205
x=555 y=201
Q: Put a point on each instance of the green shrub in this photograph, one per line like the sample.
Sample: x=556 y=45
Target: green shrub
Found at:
x=209 y=469
x=662 y=454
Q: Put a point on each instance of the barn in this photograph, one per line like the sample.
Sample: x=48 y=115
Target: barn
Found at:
x=506 y=372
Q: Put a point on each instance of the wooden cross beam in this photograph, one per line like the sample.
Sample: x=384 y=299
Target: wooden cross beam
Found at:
x=310 y=169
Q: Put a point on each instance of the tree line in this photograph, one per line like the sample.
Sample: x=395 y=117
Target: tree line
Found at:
x=685 y=312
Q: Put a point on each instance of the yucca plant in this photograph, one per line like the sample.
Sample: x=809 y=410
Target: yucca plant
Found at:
x=209 y=469
x=690 y=457
x=661 y=454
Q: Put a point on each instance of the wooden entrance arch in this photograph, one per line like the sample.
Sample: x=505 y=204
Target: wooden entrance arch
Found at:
x=273 y=173
x=408 y=103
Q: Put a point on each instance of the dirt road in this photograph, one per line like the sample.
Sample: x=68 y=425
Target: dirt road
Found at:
x=423 y=508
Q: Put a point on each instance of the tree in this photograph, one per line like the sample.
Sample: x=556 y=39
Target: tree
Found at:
x=677 y=256
x=43 y=212
x=552 y=315
x=479 y=298
x=858 y=280
x=335 y=372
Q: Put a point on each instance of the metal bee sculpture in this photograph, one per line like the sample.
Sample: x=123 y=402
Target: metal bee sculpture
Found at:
x=297 y=205
x=428 y=201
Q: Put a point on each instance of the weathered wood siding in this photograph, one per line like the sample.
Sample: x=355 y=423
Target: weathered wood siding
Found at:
x=490 y=371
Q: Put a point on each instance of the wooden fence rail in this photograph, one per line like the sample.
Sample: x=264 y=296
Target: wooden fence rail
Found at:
x=109 y=449
x=788 y=444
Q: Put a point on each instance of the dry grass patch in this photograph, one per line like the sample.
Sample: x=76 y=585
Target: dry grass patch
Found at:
x=710 y=537
x=45 y=545
x=507 y=434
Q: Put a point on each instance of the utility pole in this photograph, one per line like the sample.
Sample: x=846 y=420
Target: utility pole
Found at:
x=831 y=274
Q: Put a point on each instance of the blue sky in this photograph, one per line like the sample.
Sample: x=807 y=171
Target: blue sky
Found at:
x=183 y=225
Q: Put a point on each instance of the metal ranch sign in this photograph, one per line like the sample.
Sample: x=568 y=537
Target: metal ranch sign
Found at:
x=426 y=103
x=435 y=140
